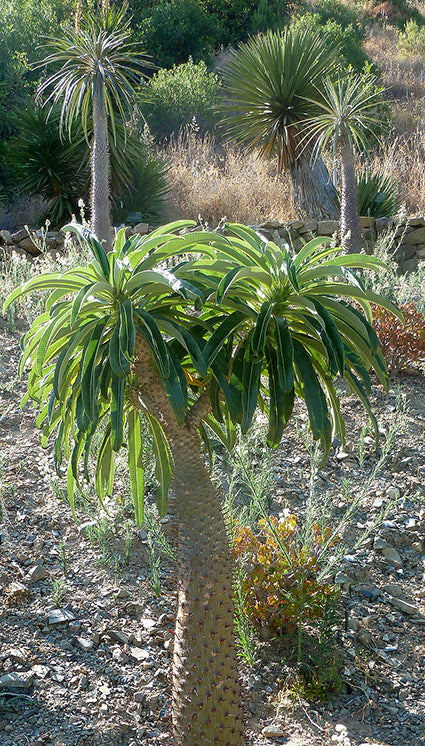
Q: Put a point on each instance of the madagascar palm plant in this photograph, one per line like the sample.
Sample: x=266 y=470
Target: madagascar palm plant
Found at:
x=98 y=67
x=348 y=114
x=268 y=81
x=194 y=350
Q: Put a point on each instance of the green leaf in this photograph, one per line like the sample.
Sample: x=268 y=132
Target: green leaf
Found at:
x=105 y=466
x=150 y=330
x=117 y=411
x=127 y=329
x=163 y=463
x=220 y=335
x=135 y=464
x=90 y=371
x=332 y=333
x=96 y=247
x=313 y=396
x=251 y=373
x=120 y=364
x=232 y=394
x=259 y=336
x=285 y=353
x=176 y=387
x=281 y=402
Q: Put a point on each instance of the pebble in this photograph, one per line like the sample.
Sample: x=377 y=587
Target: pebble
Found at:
x=393 y=557
x=403 y=605
x=36 y=573
x=59 y=616
x=274 y=730
x=17 y=680
x=379 y=543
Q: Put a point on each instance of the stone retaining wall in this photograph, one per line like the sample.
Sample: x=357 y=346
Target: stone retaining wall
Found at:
x=409 y=237
x=408 y=234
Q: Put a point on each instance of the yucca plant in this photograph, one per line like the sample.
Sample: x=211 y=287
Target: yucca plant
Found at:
x=45 y=164
x=267 y=82
x=238 y=323
x=377 y=195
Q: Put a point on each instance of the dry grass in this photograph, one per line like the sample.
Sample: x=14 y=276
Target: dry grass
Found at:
x=218 y=181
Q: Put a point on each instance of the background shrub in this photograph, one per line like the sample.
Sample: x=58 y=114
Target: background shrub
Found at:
x=349 y=36
x=173 y=98
x=176 y=30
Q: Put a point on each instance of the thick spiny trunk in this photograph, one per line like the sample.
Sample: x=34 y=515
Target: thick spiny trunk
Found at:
x=350 y=224
x=314 y=194
x=206 y=688
x=207 y=707
x=100 y=205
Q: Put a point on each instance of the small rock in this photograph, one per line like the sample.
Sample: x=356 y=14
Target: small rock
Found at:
x=148 y=623
x=85 y=644
x=402 y=605
x=343 y=455
x=274 y=730
x=353 y=625
x=15 y=680
x=40 y=671
x=393 y=557
x=379 y=543
x=393 y=493
x=122 y=593
x=118 y=636
x=35 y=574
x=139 y=654
x=59 y=616
x=341 y=578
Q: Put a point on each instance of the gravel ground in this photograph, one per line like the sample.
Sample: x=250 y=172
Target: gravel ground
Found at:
x=85 y=657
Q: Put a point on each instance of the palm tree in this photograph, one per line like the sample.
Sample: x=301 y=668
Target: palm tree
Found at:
x=268 y=81
x=98 y=67
x=193 y=350
x=347 y=115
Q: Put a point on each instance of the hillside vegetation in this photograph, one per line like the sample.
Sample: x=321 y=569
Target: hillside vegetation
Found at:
x=177 y=139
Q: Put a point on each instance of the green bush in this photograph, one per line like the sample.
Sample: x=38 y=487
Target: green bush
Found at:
x=174 y=31
x=268 y=15
x=333 y=10
x=411 y=41
x=173 y=98
x=349 y=37
x=23 y=24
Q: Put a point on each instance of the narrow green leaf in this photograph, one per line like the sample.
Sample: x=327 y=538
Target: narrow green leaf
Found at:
x=251 y=373
x=135 y=464
x=285 y=353
x=117 y=411
x=163 y=463
x=259 y=336
x=220 y=335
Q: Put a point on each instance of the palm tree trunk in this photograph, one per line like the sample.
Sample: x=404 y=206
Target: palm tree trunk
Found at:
x=100 y=168
x=207 y=702
x=350 y=225
x=313 y=192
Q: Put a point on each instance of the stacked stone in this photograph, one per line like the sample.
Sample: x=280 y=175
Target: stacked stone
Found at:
x=408 y=241
x=408 y=237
